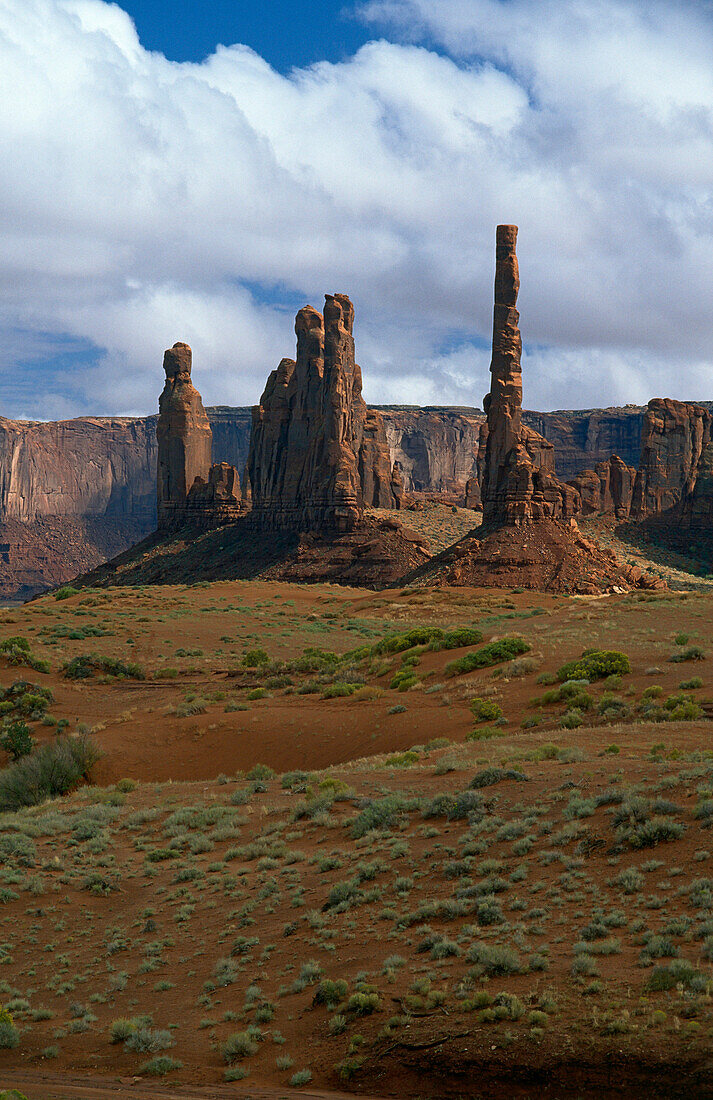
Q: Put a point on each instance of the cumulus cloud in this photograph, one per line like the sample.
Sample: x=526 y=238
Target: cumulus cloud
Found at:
x=147 y=201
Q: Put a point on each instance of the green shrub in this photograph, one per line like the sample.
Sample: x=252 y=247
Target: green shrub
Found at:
x=148 y=1040
x=65 y=592
x=51 y=770
x=121 y=1029
x=15 y=739
x=486 y=733
x=338 y=690
x=494 y=960
x=491 y=654
x=261 y=771
x=239 y=1045
x=302 y=1077
x=457 y=639
x=378 y=813
x=485 y=710
x=398 y=643
x=17 y=651
x=88 y=665
x=691 y=653
x=330 y=993
x=159 y=1067
x=595 y=664
x=9 y=1035
x=253 y=658
x=489 y=776
x=402 y=759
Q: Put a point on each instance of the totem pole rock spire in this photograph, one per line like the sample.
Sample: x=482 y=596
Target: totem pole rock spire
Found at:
x=185 y=440
x=503 y=404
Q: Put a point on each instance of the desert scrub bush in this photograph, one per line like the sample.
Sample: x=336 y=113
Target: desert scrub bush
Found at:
x=381 y=813
x=572 y=719
x=457 y=639
x=9 y=1034
x=16 y=651
x=491 y=654
x=16 y=740
x=338 y=690
x=522 y=666
x=51 y=770
x=241 y=1044
x=691 y=653
x=490 y=776
x=692 y=684
x=649 y=833
x=254 y=658
x=24 y=699
x=485 y=710
x=402 y=759
x=454 y=807
x=159 y=1067
x=398 y=643
x=494 y=960
x=88 y=664
x=486 y=733
x=302 y=1077
x=148 y=1040
x=595 y=664
x=330 y=992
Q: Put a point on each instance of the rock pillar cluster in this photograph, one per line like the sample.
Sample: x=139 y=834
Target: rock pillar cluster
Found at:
x=317 y=455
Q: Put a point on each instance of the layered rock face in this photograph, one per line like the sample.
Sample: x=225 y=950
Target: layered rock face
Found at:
x=435 y=448
x=517 y=474
x=696 y=509
x=582 y=438
x=607 y=489
x=316 y=453
x=674 y=435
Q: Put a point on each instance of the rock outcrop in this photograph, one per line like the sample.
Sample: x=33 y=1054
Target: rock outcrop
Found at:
x=190 y=489
x=696 y=508
x=185 y=441
x=674 y=435
x=607 y=489
x=317 y=455
x=435 y=448
x=518 y=483
x=582 y=438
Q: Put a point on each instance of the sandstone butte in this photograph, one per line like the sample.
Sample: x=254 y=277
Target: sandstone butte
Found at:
x=317 y=455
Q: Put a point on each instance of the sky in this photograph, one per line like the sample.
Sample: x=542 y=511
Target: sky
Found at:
x=198 y=171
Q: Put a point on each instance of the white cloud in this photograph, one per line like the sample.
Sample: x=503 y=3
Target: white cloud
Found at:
x=142 y=198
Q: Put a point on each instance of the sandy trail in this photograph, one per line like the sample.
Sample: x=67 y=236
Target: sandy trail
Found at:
x=39 y=1085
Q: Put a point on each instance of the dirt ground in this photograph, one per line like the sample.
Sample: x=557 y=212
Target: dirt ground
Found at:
x=512 y=878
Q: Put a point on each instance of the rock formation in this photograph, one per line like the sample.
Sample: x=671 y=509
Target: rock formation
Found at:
x=435 y=448
x=607 y=489
x=381 y=482
x=518 y=483
x=185 y=441
x=673 y=437
x=190 y=489
x=316 y=454
x=582 y=438
x=696 y=509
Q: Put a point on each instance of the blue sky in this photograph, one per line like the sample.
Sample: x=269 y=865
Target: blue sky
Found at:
x=287 y=33
x=197 y=171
